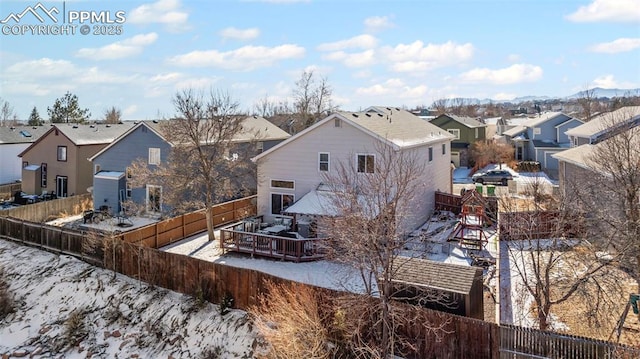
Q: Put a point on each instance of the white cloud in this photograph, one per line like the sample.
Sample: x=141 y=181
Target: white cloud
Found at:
x=43 y=68
x=129 y=110
x=513 y=58
x=359 y=59
x=362 y=74
x=95 y=75
x=616 y=46
x=420 y=57
x=510 y=75
x=120 y=49
x=609 y=82
x=240 y=34
x=357 y=42
x=377 y=23
x=607 y=10
x=394 y=87
x=197 y=83
x=167 y=12
x=168 y=77
x=246 y=58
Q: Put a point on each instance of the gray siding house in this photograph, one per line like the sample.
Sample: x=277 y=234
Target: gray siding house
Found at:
x=604 y=125
x=541 y=137
x=110 y=188
x=146 y=141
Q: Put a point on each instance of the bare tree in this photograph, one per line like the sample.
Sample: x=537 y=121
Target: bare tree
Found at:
x=112 y=115
x=587 y=101
x=372 y=201
x=554 y=258
x=206 y=163
x=440 y=106
x=6 y=112
x=311 y=100
x=484 y=153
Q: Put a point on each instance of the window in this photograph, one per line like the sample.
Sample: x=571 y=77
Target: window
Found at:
x=455 y=132
x=96 y=169
x=430 y=154
x=259 y=146
x=129 y=189
x=323 y=162
x=337 y=123
x=365 y=164
x=444 y=149
x=536 y=131
x=25 y=164
x=282 y=184
x=43 y=175
x=476 y=132
x=129 y=173
x=62 y=153
x=154 y=156
x=280 y=202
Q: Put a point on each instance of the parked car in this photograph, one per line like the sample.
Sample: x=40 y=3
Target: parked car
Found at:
x=494 y=176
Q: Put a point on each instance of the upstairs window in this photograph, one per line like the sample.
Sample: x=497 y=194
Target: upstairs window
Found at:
x=62 y=153
x=430 y=154
x=283 y=184
x=323 y=162
x=154 y=156
x=444 y=149
x=455 y=132
x=366 y=163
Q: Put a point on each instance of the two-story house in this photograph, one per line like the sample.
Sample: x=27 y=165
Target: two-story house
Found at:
x=291 y=173
x=58 y=159
x=540 y=137
x=604 y=125
x=14 y=140
x=466 y=131
x=147 y=141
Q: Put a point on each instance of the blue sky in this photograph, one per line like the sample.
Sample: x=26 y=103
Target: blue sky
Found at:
x=371 y=52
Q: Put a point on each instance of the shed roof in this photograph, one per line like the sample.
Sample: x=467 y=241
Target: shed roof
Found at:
x=436 y=275
x=467 y=121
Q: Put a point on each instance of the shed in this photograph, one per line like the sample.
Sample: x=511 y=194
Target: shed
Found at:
x=31 y=179
x=447 y=287
x=109 y=190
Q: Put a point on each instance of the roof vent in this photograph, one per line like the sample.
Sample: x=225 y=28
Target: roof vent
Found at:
x=108 y=125
x=155 y=121
x=354 y=114
x=74 y=126
x=92 y=126
x=368 y=114
x=12 y=128
x=25 y=133
x=379 y=115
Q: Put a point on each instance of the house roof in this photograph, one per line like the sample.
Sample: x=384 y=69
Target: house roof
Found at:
x=437 y=275
x=94 y=134
x=80 y=135
x=154 y=126
x=603 y=121
x=467 y=121
x=266 y=130
x=21 y=134
x=531 y=122
x=391 y=125
x=576 y=155
x=514 y=131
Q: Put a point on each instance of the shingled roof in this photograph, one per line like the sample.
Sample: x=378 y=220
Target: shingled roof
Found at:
x=21 y=134
x=436 y=275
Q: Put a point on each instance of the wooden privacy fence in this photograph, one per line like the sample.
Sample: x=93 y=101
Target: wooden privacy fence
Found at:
x=448 y=202
x=7 y=190
x=519 y=342
x=537 y=225
x=162 y=233
x=46 y=210
x=434 y=334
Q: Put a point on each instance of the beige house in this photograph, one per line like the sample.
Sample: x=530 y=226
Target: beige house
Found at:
x=291 y=173
x=58 y=161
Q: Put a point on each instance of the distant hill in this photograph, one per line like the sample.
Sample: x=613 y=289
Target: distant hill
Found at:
x=599 y=92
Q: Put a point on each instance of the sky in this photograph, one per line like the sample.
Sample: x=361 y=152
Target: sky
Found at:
x=139 y=54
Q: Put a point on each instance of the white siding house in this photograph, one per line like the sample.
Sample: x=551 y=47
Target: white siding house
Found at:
x=295 y=167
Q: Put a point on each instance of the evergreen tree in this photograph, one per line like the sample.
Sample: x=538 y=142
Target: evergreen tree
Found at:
x=66 y=109
x=34 y=118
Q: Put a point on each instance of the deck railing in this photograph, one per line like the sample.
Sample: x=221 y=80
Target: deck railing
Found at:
x=234 y=239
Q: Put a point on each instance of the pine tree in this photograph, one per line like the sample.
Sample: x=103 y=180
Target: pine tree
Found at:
x=66 y=109
x=34 y=118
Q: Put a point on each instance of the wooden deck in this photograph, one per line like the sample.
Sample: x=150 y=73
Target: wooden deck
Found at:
x=273 y=246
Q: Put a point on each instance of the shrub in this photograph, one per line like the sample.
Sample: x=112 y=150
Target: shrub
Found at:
x=7 y=304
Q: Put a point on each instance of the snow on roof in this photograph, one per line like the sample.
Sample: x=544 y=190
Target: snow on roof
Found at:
x=32 y=167
x=109 y=174
x=315 y=203
x=601 y=122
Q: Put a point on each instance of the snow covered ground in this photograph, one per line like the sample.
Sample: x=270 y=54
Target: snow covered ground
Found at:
x=66 y=308
x=522 y=180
